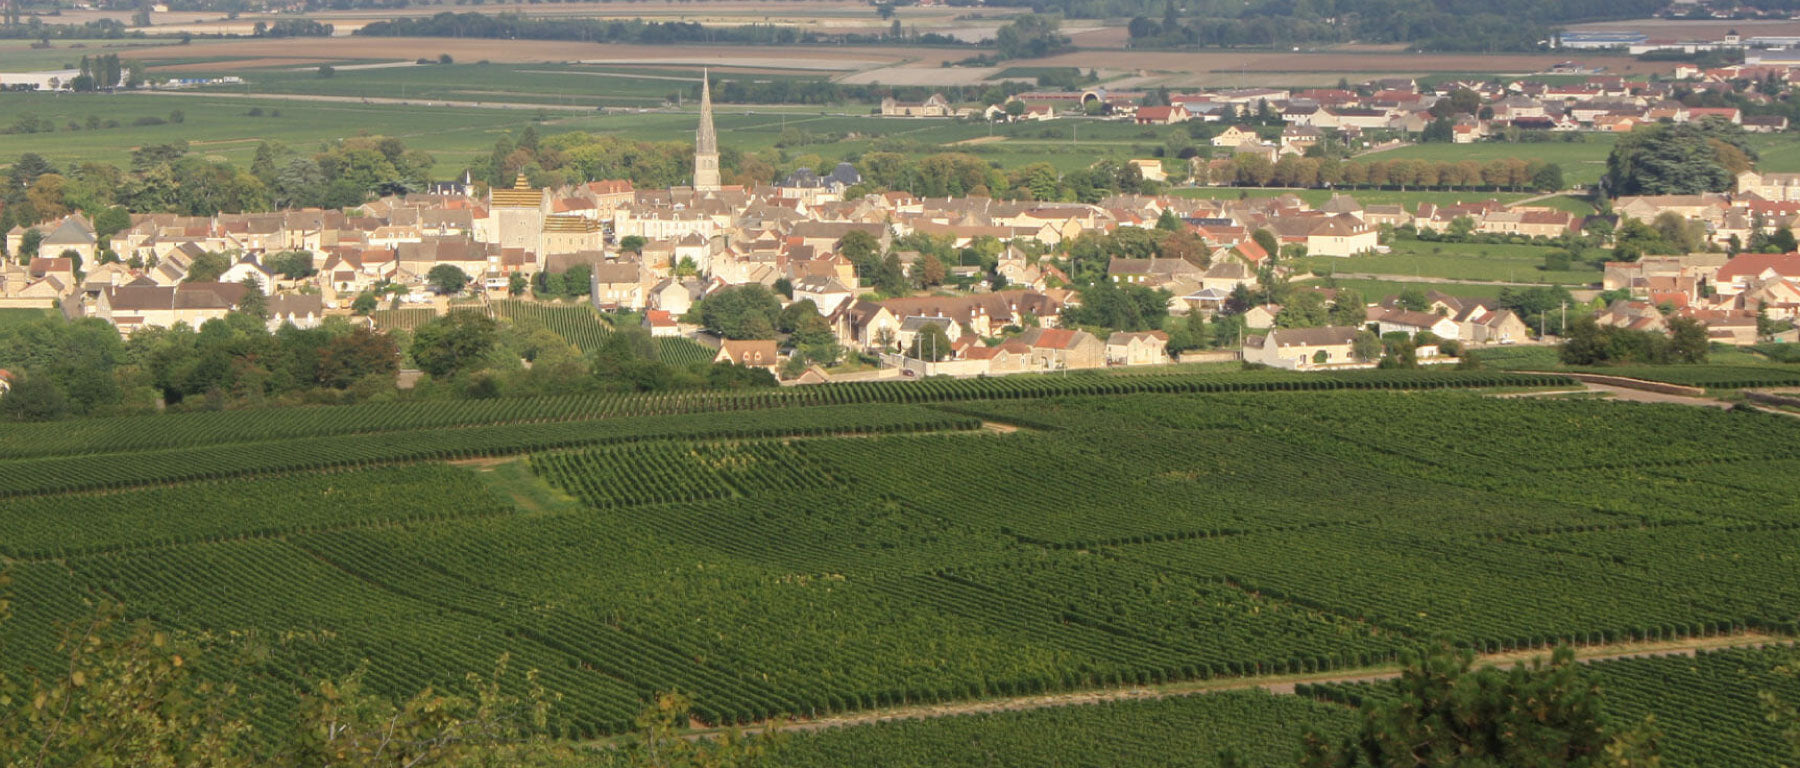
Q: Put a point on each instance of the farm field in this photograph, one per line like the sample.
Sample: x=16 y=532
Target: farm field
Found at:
x=742 y=551
x=221 y=126
x=1460 y=261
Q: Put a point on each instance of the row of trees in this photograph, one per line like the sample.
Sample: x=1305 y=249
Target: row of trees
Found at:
x=167 y=178
x=1589 y=343
x=516 y=26
x=1513 y=173
x=83 y=367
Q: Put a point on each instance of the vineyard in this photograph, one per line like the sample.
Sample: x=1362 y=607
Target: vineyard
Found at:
x=582 y=326
x=579 y=324
x=1706 y=706
x=184 y=430
x=821 y=550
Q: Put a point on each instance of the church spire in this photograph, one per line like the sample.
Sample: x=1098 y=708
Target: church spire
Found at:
x=706 y=142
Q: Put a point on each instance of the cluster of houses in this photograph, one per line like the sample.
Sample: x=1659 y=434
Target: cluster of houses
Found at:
x=1761 y=203
x=1604 y=103
x=693 y=243
x=1725 y=293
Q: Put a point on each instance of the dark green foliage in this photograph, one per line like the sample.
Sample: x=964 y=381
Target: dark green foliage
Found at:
x=1680 y=159
x=1447 y=713
x=452 y=344
x=740 y=312
x=1120 y=306
x=1589 y=343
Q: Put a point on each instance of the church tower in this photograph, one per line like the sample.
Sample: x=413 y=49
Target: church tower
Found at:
x=706 y=144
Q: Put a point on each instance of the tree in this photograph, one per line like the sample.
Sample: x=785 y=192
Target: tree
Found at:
x=1366 y=346
x=861 y=248
x=632 y=243
x=931 y=271
x=1168 y=221
x=1688 y=341
x=1681 y=159
x=354 y=356
x=1120 y=306
x=450 y=345
x=1413 y=300
x=1031 y=36
x=1304 y=309
x=516 y=284
x=447 y=279
x=1451 y=714
x=1267 y=241
x=29 y=243
x=293 y=265
x=364 y=303
x=206 y=268
x=34 y=397
x=1439 y=131
x=660 y=741
x=890 y=278
x=931 y=343
x=253 y=303
x=1348 y=309
x=1548 y=178
x=748 y=311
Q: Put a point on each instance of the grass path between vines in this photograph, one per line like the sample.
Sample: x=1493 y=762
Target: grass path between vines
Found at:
x=1276 y=684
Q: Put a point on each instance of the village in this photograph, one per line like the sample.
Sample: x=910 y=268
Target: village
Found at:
x=651 y=256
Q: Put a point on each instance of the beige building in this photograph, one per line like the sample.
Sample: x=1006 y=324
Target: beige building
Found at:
x=1779 y=187
x=1302 y=349
x=934 y=106
x=1143 y=348
x=518 y=214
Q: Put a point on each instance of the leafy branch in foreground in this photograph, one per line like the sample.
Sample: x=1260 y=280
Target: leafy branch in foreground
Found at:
x=1448 y=715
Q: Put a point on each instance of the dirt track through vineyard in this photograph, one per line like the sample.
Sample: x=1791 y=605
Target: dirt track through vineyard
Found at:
x=1276 y=684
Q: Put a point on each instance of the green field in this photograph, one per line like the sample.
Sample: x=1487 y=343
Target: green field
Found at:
x=21 y=56
x=221 y=127
x=738 y=548
x=1583 y=162
x=1459 y=261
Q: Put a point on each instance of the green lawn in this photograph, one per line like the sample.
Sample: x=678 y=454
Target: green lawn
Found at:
x=12 y=317
x=1582 y=162
x=1779 y=153
x=1459 y=261
x=1376 y=290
